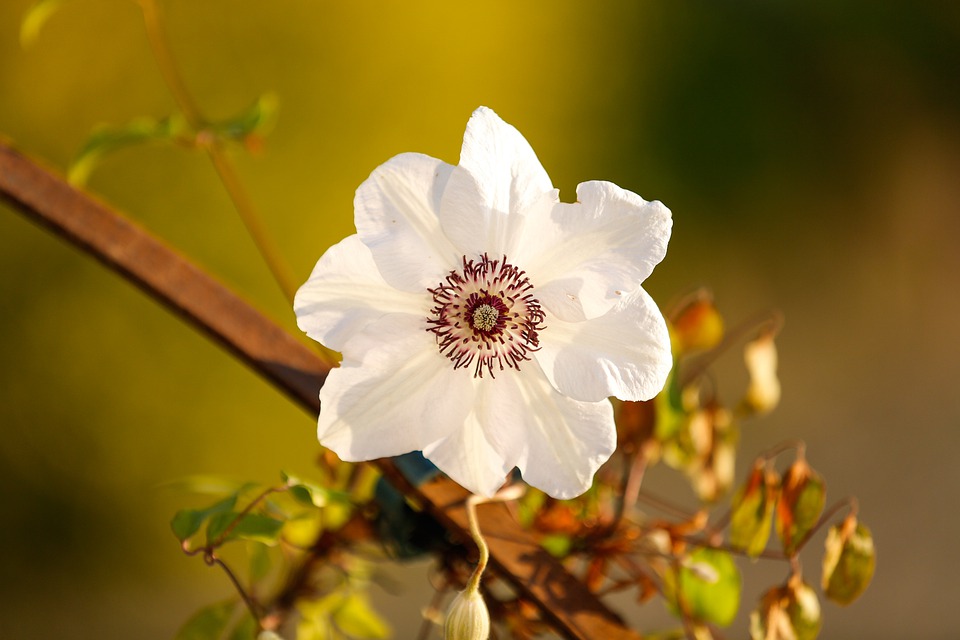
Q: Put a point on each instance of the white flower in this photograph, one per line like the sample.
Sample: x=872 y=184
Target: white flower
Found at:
x=483 y=321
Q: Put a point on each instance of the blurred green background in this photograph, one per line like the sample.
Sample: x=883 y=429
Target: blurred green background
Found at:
x=810 y=153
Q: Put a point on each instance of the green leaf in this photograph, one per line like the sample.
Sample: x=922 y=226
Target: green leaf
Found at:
x=245 y=629
x=36 y=16
x=708 y=583
x=345 y=611
x=209 y=623
x=259 y=560
x=849 y=561
x=306 y=492
x=187 y=522
x=207 y=485
x=357 y=619
x=105 y=140
x=251 y=526
x=257 y=119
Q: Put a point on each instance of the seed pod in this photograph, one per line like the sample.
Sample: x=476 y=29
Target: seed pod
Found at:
x=790 y=612
x=802 y=497
x=848 y=562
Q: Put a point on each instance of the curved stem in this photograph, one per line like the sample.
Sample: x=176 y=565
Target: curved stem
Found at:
x=241 y=515
x=848 y=502
x=153 y=20
x=252 y=221
x=512 y=492
x=247 y=600
x=474 y=582
x=795 y=443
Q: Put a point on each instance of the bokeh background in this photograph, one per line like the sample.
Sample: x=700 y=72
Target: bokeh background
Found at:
x=810 y=153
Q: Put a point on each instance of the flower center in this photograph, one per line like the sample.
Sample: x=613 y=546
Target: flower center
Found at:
x=485 y=316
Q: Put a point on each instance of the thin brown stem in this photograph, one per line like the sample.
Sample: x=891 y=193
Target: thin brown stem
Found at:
x=706 y=543
x=770 y=321
x=242 y=514
x=787 y=445
x=247 y=600
x=663 y=505
x=849 y=502
x=630 y=490
x=433 y=609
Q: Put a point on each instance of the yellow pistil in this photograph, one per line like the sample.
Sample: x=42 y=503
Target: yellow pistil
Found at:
x=485 y=317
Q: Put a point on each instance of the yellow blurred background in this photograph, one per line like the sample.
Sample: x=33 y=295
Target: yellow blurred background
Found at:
x=810 y=153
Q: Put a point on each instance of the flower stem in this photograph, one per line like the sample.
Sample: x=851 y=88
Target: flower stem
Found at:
x=512 y=492
x=252 y=221
x=793 y=444
x=247 y=600
x=153 y=20
x=474 y=582
x=168 y=69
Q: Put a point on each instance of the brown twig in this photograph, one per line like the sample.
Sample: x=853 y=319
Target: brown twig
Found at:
x=292 y=367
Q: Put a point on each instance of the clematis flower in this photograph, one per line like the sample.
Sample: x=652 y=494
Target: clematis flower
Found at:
x=484 y=322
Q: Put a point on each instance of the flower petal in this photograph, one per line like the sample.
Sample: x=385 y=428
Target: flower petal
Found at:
x=468 y=456
x=346 y=292
x=396 y=210
x=585 y=256
x=557 y=442
x=624 y=353
x=392 y=394
x=499 y=178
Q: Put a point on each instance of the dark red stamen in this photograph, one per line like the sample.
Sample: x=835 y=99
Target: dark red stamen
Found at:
x=485 y=316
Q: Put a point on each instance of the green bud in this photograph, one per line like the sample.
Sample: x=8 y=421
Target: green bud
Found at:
x=467 y=617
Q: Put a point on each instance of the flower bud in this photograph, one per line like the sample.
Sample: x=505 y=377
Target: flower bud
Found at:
x=763 y=393
x=698 y=326
x=467 y=617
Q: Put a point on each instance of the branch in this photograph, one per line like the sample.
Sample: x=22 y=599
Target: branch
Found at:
x=288 y=364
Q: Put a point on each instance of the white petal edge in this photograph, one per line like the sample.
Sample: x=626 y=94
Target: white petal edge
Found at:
x=624 y=353
x=394 y=392
x=396 y=213
x=502 y=162
x=584 y=257
x=557 y=442
x=498 y=179
x=346 y=292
